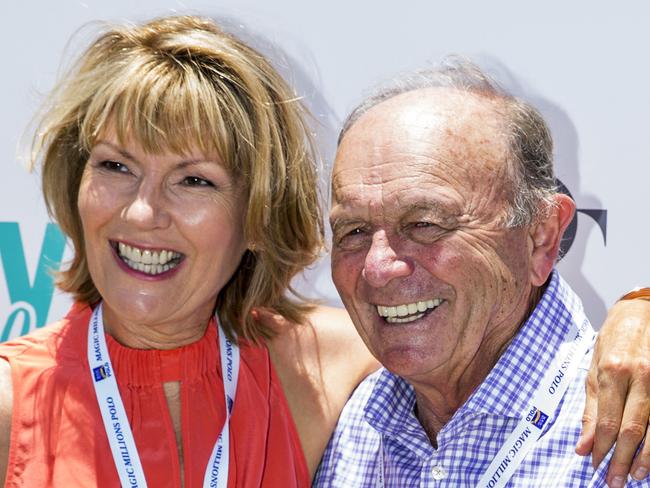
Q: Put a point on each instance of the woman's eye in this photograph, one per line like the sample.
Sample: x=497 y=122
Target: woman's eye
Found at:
x=114 y=166
x=196 y=181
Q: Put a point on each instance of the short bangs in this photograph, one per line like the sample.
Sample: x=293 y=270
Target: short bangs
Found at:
x=169 y=106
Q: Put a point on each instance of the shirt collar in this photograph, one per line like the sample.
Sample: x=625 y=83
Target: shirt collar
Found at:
x=390 y=404
x=510 y=385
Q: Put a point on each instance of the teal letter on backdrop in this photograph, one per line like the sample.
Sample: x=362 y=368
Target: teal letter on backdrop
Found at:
x=24 y=295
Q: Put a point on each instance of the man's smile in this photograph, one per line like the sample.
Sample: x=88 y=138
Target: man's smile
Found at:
x=407 y=312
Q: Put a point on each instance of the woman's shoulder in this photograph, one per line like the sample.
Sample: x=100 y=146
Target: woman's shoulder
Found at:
x=319 y=364
x=6 y=407
x=339 y=333
x=340 y=343
x=46 y=341
x=327 y=340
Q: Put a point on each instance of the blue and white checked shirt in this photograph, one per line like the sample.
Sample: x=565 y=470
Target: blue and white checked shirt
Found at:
x=380 y=413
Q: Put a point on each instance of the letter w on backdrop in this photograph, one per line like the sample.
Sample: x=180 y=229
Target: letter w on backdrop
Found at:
x=29 y=299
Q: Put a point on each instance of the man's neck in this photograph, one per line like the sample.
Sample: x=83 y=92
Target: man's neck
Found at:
x=435 y=405
x=440 y=394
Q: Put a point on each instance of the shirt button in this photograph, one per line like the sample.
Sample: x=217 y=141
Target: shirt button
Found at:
x=438 y=473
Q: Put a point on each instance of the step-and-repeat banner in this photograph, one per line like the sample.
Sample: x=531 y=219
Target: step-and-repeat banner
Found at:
x=584 y=66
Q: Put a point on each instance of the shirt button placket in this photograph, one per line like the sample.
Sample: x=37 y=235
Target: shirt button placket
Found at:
x=432 y=472
x=438 y=472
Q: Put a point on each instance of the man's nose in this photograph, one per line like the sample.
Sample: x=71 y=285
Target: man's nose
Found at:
x=147 y=207
x=383 y=263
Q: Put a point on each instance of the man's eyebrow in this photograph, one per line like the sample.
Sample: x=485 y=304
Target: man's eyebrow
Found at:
x=428 y=206
x=340 y=221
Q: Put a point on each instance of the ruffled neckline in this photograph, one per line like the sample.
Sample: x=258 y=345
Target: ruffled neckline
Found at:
x=146 y=367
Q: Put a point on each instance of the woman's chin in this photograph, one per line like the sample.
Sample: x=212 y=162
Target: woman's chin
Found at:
x=138 y=309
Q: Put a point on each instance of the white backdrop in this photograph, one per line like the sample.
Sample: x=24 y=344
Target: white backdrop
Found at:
x=584 y=65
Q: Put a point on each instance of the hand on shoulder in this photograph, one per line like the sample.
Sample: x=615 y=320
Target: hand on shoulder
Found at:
x=6 y=406
x=617 y=406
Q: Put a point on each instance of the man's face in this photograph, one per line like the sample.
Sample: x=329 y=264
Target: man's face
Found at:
x=421 y=257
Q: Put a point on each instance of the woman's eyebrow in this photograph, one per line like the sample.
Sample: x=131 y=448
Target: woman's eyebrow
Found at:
x=117 y=148
x=123 y=152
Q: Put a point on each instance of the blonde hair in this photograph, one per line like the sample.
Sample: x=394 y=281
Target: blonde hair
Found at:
x=177 y=82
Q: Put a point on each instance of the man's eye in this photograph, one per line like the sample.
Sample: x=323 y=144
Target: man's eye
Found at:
x=353 y=234
x=114 y=166
x=351 y=239
x=196 y=181
x=422 y=226
x=424 y=232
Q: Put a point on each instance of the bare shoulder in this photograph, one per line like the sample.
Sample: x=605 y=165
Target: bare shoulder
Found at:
x=6 y=406
x=340 y=343
x=328 y=342
x=319 y=364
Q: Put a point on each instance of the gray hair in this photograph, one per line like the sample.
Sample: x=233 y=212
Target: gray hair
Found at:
x=529 y=138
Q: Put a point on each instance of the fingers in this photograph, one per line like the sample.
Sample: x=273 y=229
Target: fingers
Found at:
x=622 y=360
x=586 y=440
x=612 y=391
x=641 y=465
x=634 y=426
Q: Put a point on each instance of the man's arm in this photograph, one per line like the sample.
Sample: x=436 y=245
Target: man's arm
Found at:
x=6 y=406
x=617 y=406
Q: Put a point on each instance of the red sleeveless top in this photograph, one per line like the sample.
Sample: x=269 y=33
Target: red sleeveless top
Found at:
x=57 y=434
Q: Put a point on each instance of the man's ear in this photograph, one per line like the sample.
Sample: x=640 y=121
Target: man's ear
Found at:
x=546 y=236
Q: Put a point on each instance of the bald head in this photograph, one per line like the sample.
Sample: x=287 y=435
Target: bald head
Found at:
x=528 y=137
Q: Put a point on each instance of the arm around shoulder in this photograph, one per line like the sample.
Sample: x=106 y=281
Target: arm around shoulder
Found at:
x=617 y=406
x=6 y=407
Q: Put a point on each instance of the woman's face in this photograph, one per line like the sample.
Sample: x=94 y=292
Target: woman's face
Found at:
x=163 y=233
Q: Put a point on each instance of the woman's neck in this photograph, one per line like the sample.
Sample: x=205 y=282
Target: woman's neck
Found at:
x=167 y=335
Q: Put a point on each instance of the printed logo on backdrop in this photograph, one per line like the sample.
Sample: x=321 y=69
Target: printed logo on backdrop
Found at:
x=598 y=215
x=29 y=297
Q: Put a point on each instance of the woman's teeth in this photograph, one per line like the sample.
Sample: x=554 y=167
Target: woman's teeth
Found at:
x=148 y=261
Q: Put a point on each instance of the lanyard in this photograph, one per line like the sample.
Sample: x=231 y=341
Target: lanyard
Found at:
x=116 y=423
x=546 y=399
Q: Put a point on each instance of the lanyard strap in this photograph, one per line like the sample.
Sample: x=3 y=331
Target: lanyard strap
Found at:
x=546 y=399
x=116 y=423
x=577 y=342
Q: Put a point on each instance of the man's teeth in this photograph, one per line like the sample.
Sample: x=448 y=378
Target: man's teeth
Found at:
x=407 y=312
x=148 y=261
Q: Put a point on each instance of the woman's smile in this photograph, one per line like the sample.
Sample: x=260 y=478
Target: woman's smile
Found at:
x=150 y=262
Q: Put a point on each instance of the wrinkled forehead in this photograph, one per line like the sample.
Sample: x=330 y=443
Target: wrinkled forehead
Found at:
x=439 y=136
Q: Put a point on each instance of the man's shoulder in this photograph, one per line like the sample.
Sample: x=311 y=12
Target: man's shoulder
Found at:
x=350 y=453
